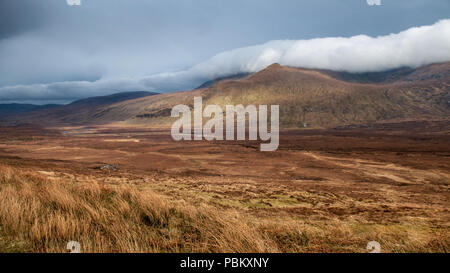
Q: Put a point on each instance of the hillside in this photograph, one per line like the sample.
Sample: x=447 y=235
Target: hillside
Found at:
x=313 y=96
x=319 y=98
x=10 y=109
x=79 y=112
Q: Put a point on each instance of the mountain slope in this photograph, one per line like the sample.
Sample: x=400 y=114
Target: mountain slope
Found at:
x=10 y=109
x=80 y=112
x=319 y=98
x=314 y=97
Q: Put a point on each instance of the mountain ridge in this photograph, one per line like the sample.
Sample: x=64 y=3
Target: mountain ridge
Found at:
x=319 y=98
x=72 y=113
x=9 y=109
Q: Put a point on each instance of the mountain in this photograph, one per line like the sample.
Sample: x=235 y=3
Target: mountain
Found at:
x=18 y=108
x=110 y=99
x=232 y=77
x=314 y=97
x=80 y=112
x=317 y=97
x=435 y=71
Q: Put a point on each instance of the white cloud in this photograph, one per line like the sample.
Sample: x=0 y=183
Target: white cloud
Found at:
x=413 y=48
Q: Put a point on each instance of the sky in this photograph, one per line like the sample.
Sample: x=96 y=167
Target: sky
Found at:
x=52 y=52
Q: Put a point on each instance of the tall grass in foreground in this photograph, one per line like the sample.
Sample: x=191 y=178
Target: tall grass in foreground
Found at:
x=41 y=215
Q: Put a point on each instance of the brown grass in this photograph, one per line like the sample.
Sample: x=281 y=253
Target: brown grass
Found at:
x=323 y=191
x=41 y=215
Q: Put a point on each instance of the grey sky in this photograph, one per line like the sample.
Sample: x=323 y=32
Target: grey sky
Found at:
x=47 y=41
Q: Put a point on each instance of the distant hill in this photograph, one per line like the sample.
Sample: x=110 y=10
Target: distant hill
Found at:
x=18 y=108
x=319 y=98
x=79 y=112
x=435 y=71
x=212 y=82
x=110 y=99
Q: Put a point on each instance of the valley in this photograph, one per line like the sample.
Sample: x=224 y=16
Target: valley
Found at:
x=324 y=190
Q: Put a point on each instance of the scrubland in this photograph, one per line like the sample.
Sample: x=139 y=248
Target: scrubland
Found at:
x=322 y=191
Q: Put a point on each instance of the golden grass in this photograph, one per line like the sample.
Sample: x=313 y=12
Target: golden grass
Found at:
x=38 y=214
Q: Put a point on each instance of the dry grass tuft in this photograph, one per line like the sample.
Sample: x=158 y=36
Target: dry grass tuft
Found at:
x=41 y=215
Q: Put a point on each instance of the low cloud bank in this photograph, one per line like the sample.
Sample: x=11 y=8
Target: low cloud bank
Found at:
x=413 y=48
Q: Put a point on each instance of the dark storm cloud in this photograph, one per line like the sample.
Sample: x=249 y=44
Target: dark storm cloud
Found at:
x=17 y=17
x=49 y=50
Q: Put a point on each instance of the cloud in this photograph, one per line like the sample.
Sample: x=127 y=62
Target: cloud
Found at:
x=413 y=48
